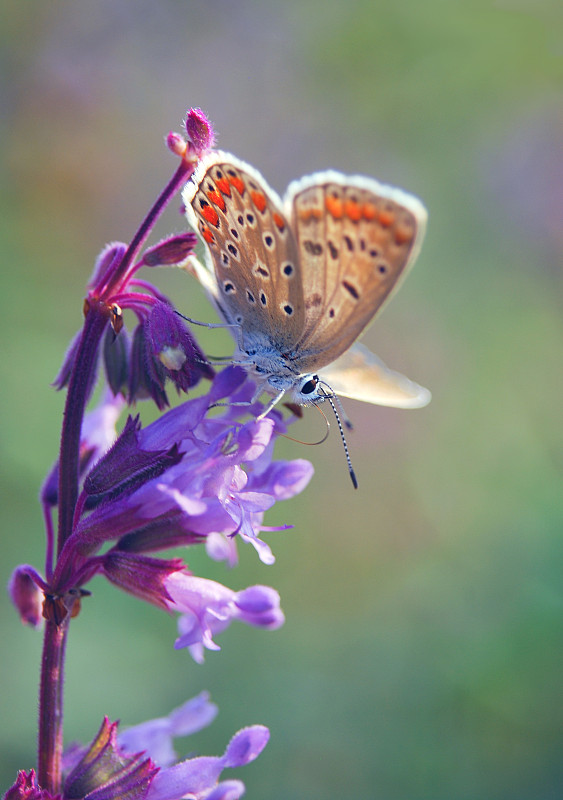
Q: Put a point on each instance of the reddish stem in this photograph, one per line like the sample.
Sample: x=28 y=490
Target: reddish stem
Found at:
x=50 y=740
x=76 y=399
x=185 y=169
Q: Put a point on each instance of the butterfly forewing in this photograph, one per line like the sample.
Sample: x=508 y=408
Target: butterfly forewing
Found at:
x=253 y=249
x=356 y=239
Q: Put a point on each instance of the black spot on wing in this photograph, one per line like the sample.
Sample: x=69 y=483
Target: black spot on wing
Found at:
x=351 y=289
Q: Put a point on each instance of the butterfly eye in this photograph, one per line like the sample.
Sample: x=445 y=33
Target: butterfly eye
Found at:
x=310 y=385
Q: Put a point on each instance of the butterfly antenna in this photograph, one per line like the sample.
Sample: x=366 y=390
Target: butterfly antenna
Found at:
x=343 y=415
x=345 y=418
x=331 y=400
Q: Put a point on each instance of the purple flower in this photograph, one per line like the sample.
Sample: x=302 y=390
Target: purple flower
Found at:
x=113 y=767
x=207 y=608
x=155 y=736
x=175 y=348
x=211 y=475
x=163 y=348
x=197 y=778
x=192 y=476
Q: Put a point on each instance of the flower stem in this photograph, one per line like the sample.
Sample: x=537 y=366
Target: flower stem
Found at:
x=181 y=175
x=76 y=399
x=50 y=740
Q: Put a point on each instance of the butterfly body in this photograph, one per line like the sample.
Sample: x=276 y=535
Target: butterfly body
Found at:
x=300 y=279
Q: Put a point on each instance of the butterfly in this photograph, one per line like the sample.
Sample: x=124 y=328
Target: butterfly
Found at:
x=300 y=279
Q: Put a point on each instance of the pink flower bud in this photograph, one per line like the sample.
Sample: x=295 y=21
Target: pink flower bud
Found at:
x=200 y=131
x=171 y=251
x=176 y=143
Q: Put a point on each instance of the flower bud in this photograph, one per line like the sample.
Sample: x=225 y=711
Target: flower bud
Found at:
x=200 y=131
x=26 y=596
x=169 y=252
x=146 y=376
x=26 y=788
x=176 y=143
x=116 y=359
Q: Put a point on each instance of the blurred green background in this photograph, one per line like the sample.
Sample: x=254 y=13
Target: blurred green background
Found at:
x=422 y=652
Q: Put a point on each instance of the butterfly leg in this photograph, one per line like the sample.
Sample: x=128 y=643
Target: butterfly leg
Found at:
x=207 y=324
x=271 y=404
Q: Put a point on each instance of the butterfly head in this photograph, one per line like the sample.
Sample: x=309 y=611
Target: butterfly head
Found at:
x=275 y=376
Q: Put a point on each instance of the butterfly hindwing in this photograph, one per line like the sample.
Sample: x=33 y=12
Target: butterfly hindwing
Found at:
x=360 y=375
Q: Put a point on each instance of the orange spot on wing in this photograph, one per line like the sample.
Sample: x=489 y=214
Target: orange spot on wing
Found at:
x=334 y=206
x=386 y=218
x=353 y=210
x=238 y=183
x=210 y=215
x=308 y=214
x=216 y=198
x=403 y=235
x=259 y=201
x=223 y=186
x=278 y=220
x=369 y=211
x=207 y=235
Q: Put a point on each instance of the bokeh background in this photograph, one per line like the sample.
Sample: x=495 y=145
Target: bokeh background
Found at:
x=422 y=652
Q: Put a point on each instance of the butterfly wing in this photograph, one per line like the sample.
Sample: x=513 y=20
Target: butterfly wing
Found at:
x=361 y=375
x=356 y=240
x=252 y=249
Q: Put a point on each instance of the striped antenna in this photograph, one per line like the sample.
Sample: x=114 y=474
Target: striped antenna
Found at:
x=341 y=429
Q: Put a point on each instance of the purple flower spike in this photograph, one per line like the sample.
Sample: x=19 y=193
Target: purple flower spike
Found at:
x=208 y=608
x=195 y=477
